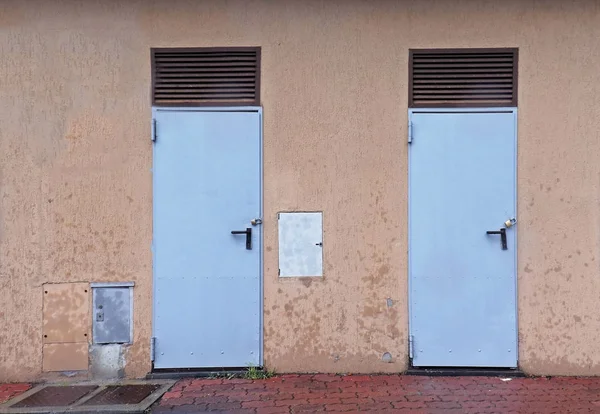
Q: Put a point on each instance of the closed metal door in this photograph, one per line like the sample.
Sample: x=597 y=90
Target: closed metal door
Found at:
x=207 y=253
x=462 y=278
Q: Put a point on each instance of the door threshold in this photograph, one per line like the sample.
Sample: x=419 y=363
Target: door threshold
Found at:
x=197 y=373
x=465 y=372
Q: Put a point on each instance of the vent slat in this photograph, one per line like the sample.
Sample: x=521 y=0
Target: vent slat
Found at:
x=467 y=55
x=420 y=61
x=241 y=91
x=202 y=86
x=205 y=81
x=215 y=71
x=434 y=81
x=461 y=95
x=203 y=98
x=205 y=76
x=206 y=94
x=190 y=52
x=462 y=65
x=216 y=65
x=496 y=97
x=463 y=86
x=452 y=71
x=463 y=77
x=184 y=59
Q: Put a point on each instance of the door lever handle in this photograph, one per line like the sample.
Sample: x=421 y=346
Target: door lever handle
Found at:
x=248 y=233
x=502 y=233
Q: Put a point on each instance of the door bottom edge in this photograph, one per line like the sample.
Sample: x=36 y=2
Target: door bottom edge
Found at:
x=215 y=372
x=465 y=372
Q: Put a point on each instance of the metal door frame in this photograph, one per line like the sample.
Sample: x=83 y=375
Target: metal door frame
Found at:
x=258 y=110
x=412 y=111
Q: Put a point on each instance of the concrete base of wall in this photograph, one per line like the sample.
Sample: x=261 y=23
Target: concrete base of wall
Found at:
x=107 y=361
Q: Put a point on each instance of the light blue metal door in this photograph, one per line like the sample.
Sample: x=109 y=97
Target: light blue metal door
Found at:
x=462 y=281
x=207 y=253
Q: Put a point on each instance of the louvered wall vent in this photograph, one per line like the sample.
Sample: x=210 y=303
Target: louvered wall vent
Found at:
x=206 y=76
x=463 y=78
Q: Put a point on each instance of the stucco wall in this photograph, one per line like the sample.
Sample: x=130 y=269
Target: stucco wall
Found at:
x=75 y=157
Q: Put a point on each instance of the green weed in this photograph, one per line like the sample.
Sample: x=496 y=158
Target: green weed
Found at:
x=255 y=373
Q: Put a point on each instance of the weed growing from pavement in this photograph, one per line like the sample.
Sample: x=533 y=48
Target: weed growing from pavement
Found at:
x=254 y=373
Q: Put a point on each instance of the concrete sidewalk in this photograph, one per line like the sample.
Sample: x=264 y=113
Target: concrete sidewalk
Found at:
x=383 y=394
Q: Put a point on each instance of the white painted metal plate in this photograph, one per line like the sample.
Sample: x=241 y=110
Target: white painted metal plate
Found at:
x=300 y=244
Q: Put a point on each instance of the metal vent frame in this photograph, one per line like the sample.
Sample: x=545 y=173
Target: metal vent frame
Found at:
x=468 y=101
x=197 y=51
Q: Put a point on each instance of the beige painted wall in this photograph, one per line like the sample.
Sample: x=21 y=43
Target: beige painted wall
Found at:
x=75 y=157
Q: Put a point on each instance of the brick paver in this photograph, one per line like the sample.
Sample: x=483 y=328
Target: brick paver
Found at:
x=8 y=391
x=383 y=394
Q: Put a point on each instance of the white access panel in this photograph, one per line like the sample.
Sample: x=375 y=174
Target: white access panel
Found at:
x=300 y=244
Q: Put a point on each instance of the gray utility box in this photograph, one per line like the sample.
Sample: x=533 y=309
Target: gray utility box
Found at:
x=112 y=312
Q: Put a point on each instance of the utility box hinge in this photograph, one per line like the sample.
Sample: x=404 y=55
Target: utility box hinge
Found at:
x=154 y=130
x=410 y=132
x=411 y=346
x=152 y=348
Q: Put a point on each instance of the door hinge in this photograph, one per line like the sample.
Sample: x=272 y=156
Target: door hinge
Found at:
x=152 y=348
x=153 y=129
x=411 y=346
x=410 y=132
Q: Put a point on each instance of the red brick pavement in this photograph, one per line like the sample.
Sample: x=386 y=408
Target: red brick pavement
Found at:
x=8 y=391
x=383 y=394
